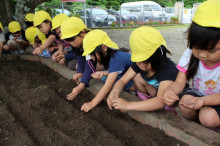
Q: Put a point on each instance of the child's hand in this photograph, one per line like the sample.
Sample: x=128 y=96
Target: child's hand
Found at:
x=112 y=95
x=59 y=55
x=73 y=94
x=77 y=76
x=169 y=97
x=38 y=50
x=120 y=104
x=98 y=75
x=189 y=102
x=199 y=103
x=87 y=107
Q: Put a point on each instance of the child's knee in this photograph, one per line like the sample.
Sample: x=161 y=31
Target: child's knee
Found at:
x=138 y=80
x=209 y=117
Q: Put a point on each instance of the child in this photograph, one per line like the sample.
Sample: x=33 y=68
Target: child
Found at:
x=201 y=63
x=42 y=21
x=16 y=40
x=36 y=39
x=62 y=44
x=106 y=52
x=29 y=19
x=152 y=72
x=73 y=30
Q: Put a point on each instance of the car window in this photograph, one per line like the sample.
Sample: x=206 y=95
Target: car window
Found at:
x=169 y=10
x=124 y=11
x=135 y=9
x=99 y=12
x=156 y=7
x=147 y=8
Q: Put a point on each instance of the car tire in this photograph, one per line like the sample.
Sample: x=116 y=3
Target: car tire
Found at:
x=146 y=20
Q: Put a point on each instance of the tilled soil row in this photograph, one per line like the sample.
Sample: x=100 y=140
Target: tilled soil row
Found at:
x=35 y=112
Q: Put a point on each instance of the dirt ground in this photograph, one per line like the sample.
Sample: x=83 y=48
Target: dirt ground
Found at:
x=34 y=111
x=175 y=37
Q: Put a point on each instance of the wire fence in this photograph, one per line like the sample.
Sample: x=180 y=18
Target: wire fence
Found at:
x=95 y=17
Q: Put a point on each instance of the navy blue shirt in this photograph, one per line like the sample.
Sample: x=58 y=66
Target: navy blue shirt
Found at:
x=120 y=62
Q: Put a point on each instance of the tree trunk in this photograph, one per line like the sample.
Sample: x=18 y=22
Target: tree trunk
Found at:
x=6 y=12
x=17 y=12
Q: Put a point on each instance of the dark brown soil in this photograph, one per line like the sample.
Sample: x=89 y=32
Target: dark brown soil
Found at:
x=34 y=111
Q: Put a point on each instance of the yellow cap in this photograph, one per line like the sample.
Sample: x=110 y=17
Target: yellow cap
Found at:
x=144 y=41
x=30 y=34
x=40 y=17
x=58 y=20
x=41 y=36
x=208 y=14
x=71 y=27
x=95 y=38
x=14 y=26
x=29 y=17
x=1 y=26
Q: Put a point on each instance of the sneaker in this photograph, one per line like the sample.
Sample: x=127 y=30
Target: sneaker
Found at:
x=14 y=52
x=143 y=96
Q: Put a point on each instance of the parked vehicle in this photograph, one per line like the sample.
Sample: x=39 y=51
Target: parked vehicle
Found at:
x=145 y=10
x=126 y=16
x=170 y=12
x=59 y=11
x=97 y=17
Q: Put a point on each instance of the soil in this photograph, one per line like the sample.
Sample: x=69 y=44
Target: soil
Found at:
x=34 y=111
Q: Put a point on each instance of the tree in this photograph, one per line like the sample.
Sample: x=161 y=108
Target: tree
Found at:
x=11 y=10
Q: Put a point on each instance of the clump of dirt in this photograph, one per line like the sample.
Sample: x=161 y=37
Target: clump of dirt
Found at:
x=34 y=111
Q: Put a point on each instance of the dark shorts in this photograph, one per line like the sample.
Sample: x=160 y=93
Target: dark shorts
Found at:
x=195 y=93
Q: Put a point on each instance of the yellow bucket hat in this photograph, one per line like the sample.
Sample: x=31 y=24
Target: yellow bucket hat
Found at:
x=41 y=35
x=1 y=26
x=58 y=20
x=30 y=34
x=95 y=38
x=29 y=17
x=208 y=14
x=71 y=27
x=40 y=17
x=14 y=26
x=144 y=41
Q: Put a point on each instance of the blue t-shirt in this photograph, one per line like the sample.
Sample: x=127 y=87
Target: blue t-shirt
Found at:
x=120 y=62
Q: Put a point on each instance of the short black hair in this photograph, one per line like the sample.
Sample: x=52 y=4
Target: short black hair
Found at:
x=29 y=24
x=158 y=58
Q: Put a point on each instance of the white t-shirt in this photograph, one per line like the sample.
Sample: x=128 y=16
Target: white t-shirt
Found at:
x=18 y=38
x=206 y=80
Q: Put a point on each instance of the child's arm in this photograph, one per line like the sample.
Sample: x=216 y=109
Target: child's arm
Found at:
x=198 y=102
x=99 y=74
x=119 y=85
x=45 y=45
x=152 y=104
x=171 y=93
x=102 y=93
x=86 y=77
x=1 y=47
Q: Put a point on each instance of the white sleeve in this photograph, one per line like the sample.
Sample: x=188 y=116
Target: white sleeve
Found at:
x=88 y=57
x=184 y=60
